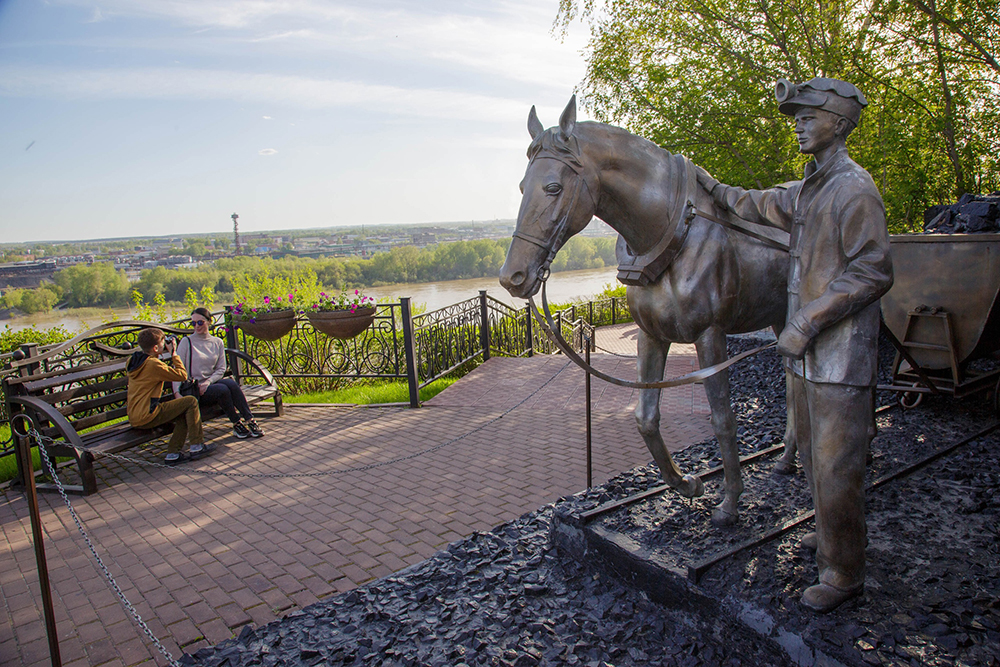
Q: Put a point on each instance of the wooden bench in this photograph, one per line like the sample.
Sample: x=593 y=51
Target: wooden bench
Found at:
x=66 y=404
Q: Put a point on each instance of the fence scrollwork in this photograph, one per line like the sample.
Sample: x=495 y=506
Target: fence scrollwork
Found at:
x=308 y=360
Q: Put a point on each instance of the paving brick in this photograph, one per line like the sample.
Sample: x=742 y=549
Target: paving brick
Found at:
x=200 y=560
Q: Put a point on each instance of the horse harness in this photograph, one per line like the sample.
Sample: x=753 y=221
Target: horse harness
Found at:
x=633 y=269
x=557 y=236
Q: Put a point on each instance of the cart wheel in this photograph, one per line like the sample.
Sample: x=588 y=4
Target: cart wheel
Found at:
x=911 y=399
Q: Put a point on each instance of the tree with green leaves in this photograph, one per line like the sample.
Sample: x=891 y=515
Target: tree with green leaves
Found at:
x=96 y=284
x=696 y=77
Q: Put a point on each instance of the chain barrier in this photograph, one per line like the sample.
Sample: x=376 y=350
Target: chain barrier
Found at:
x=614 y=354
x=50 y=466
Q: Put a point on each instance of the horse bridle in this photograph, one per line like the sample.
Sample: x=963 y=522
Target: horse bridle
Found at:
x=556 y=237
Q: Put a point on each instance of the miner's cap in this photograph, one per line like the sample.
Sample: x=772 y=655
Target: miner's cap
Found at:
x=839 y=97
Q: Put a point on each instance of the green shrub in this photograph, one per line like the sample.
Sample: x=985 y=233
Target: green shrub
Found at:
x=11 y=340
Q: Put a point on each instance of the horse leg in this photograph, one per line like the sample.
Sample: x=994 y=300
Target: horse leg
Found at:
x=711 y=346
x=786 y=464
x=650 y=366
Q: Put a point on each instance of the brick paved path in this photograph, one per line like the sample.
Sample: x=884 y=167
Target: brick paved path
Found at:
x=201 y=556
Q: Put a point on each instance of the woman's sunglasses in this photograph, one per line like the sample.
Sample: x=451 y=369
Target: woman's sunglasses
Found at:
x=195 y=323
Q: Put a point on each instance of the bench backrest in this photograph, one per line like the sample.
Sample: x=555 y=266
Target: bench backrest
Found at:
x=87 y=395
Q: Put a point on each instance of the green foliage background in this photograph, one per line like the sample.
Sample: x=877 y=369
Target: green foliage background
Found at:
x=11 y=340
x=697 y=77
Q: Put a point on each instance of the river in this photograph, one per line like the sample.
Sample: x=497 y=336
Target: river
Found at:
x=562 y=287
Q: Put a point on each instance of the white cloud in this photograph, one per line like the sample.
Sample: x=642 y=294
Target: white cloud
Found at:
x=267 y=118
x=267 y=151
x=296 y=91
x=507 y=39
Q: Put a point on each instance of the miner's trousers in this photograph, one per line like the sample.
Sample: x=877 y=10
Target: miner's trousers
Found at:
x=834 y=426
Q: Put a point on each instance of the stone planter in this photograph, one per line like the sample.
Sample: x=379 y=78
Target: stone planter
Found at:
x=342 y=324
x=269 y=326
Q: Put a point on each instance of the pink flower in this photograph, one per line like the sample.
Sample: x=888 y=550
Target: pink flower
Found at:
x=267 y=299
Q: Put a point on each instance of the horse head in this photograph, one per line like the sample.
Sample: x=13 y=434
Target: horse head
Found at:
x=559 y=198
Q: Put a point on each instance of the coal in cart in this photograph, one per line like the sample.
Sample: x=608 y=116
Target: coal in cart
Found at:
x=943 y=314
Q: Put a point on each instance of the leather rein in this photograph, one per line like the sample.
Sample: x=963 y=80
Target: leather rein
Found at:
x=548 y=324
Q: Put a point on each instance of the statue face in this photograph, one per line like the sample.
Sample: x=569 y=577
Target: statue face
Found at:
x=816 y=129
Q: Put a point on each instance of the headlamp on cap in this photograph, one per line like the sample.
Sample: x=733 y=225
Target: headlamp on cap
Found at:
x=839 y=97
x=785 y=90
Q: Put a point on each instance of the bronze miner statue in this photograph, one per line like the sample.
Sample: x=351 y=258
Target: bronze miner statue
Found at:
x=689 y=280
x=840 y=266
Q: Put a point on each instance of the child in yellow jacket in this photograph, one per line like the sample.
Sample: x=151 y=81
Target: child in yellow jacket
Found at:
x=146 y=375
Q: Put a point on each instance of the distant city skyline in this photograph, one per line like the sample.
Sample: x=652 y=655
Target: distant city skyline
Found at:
x=129 y=117
x=228 y=233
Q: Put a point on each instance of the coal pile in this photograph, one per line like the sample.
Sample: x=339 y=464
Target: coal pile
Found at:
x=971 y=215
x=933 y=586
x=509 y=597
x=500 y=598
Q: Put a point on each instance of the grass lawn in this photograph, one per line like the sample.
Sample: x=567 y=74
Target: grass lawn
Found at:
x=8 y=464
x=390 y=392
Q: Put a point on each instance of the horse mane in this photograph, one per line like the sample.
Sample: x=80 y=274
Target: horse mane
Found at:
x=553 y=140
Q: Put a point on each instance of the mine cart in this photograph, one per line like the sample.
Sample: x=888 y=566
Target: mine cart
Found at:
x=944 y=312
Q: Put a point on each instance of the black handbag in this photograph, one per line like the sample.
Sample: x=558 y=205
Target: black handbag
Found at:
x=189 y=387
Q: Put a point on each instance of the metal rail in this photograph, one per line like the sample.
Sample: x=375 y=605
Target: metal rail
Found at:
x=695 y=572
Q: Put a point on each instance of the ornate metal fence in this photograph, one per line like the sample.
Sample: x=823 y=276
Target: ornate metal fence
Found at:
x=478 y=327
x=418 y=349
x=308 y=360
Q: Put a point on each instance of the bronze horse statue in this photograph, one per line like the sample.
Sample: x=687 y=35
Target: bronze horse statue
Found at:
x=693 y=280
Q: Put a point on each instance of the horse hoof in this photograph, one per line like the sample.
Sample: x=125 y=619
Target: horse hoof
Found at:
x=784 y=468
x=692 y=486
x=722 y=518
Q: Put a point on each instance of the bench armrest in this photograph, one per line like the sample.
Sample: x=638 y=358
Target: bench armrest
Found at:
x=50 y=413
x=253 y=363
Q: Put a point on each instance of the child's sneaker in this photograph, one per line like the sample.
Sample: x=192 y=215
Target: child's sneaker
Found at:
x=174 y=458
x=255 y=430
x=241 y=430
x=201 y=451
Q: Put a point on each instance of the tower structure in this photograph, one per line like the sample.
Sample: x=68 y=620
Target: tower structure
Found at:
x=236 y=233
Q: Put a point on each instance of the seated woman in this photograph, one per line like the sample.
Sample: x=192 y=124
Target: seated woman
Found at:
x=204 y=357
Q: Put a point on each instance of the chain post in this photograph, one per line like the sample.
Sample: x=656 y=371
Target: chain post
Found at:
x=590 y=467
x=22 y=447
x=49 y=464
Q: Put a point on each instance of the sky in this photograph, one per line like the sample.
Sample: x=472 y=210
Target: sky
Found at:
x=157 y=117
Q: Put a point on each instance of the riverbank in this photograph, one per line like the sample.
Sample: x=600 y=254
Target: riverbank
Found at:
x=562 y=287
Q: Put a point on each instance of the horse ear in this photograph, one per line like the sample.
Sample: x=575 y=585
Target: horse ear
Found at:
x=567 y=122
x=534 y=125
